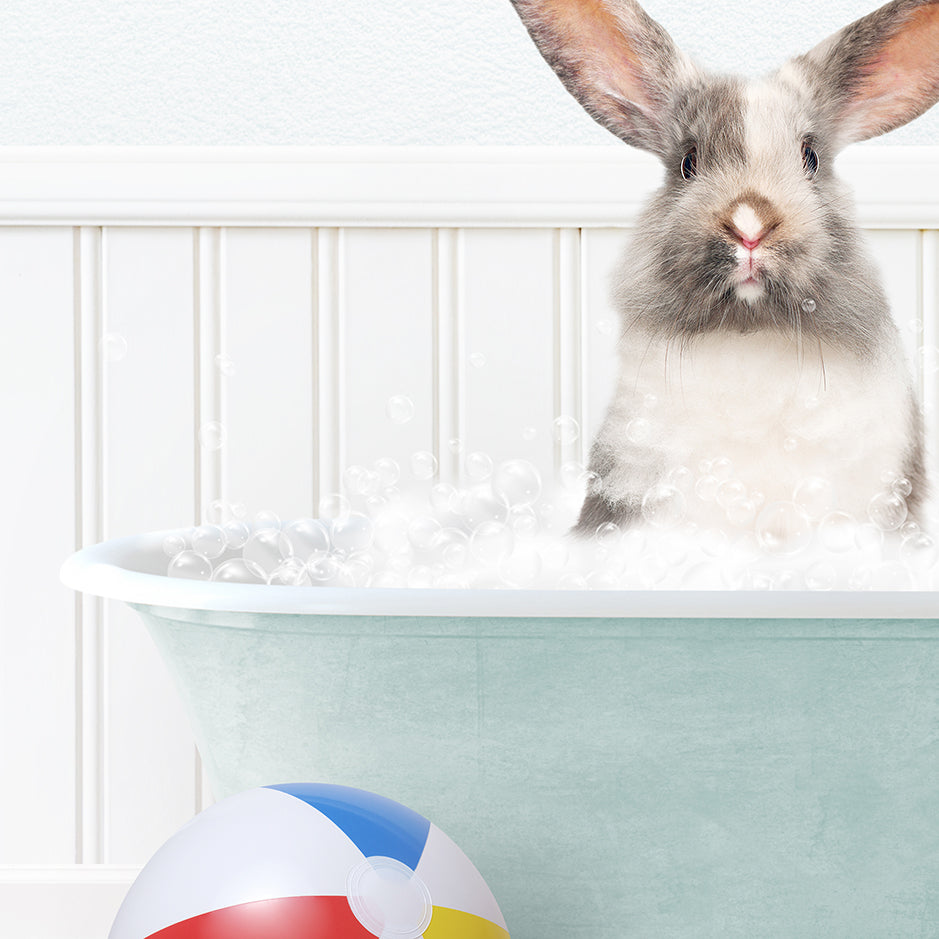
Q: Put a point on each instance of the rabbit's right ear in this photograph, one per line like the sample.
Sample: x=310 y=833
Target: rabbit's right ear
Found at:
x=614 y=59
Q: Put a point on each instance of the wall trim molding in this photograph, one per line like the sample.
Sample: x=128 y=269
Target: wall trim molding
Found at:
x=61 y=902
x=595 y=186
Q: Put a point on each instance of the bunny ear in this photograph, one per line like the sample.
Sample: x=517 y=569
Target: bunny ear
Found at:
x=881 y=71
x=614 y=59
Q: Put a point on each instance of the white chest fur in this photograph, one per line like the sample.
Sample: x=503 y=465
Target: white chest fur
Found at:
x=780 y=413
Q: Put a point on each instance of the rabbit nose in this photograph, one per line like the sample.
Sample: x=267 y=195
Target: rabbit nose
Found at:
x=749 y=223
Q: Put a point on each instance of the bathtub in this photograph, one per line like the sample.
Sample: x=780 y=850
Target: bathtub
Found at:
x=616 y=764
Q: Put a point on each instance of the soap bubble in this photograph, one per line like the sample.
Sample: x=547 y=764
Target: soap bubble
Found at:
x=518 y=482
x=680 y=477
x=236 y=533
x=267 y=548
x=523 y=519
x=400 y=409
x=452 y=546
x=307 y=536
x=868 y=537
x=239 y=571
x=292 y=572
x=225 y=364
x=334 y=506
x=477 y=359
x=422 y=530
x=605 y=327
x=663 y=506
x=901 y=486
x=390 y=530
x=919 y=551
x=423 y=465
x=174 y=544
x=820 y=575
x=327 y=572
x=113 y=347
x=388 y=472
x=836 y=531
x=491 y=542
x=706 y=487
x=421 y=576
x=209 y=541
x=722 y=468
x=789 y=444
x=608 y=534
x=478 y=507
x=783 y=529
x=891 y=575
x=455 y=445
x=522 y=567
x=212 y=435
x=887 y=511
x=266 y=519
x=190 y=565
x=730 y=491
x=442 y=497
x=566 y=430
x=354 y=532
x=809 y=305
x=478 y=466
x=639 y=431
x=815 y=496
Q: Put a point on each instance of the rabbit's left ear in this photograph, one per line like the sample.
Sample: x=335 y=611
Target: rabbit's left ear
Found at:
x=881 y=71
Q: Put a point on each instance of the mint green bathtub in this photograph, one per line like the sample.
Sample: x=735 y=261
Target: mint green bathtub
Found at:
x=616 y=764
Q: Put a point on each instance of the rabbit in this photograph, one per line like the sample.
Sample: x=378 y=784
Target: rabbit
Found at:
x=756 y=341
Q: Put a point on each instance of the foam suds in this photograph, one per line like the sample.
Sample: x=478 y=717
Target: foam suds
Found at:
x=504 y=529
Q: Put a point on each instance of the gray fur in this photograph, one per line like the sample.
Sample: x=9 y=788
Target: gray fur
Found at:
x=677 y=281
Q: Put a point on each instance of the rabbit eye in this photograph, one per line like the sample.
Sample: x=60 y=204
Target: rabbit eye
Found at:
x=809 y=157
x=689 y=164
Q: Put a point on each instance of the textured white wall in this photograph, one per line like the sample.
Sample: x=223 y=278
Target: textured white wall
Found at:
x=323 y=72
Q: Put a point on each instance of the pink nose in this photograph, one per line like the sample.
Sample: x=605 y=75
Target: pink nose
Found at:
x=749 y=243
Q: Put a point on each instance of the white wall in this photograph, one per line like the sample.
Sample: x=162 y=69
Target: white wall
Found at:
x=322 y=72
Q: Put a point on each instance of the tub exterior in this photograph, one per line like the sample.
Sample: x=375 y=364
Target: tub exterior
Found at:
x=609 y=776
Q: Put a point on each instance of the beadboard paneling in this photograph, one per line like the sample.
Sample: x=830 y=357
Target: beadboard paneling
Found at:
x=474 y=283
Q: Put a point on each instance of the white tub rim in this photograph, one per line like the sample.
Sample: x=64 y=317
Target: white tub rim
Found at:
x=111 y=569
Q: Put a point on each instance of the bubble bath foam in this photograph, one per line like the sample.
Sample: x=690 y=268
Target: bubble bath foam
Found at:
x=656 y=763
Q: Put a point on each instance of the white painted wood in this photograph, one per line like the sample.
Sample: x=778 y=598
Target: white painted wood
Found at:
x=148 y=479
x=330 y=290
x=898 y=257
x=268 y=449
x=449 y=361
x=388 y=349
x=38 y=486
x=603 y=249
x=75 y=902
x=510 y=292
x=929 y=362
x=896 y=187
x=90 y=638
x=329 y=356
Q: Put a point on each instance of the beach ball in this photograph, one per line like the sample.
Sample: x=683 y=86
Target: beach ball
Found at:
x=309 y=861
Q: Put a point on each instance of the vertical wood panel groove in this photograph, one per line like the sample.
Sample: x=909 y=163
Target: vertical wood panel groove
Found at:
x=208 y=344
x=568 y=309
x=448 y=362
x=330 y=350
x=91 y=654
x=929 y=311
